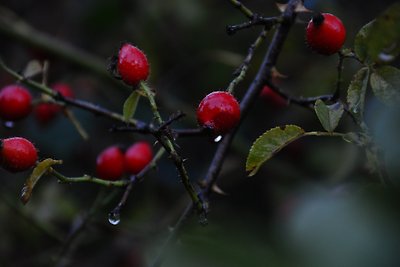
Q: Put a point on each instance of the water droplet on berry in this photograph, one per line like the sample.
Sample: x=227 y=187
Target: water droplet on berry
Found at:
x=9 y=124
x=114 y=218
x=218 y=138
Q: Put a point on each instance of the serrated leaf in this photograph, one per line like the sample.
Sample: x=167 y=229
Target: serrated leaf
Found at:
x=329 y=116
x=32 y=68
x=385 y=83
x=379 y=40
x=130 y=105
x=356 y=92
x=271 y=142
x=40 y=169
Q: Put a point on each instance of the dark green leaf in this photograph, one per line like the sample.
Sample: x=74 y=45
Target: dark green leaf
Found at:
x=40 y=169
x=385 y=82
x=130 y=105
x=329 y=116
x=360 y=42
x=270 y=143
x=356 y=92
x=379 y=40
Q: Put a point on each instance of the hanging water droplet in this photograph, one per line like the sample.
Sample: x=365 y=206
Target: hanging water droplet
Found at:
x=355 y=110
x=114 y=218
x=218 y=138
x=9 y=124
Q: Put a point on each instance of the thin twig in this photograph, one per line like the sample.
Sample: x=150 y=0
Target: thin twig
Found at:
x=263 y=75
x=86 y=179
x=240 y=73
x=137 y=178
x=166 y=140
x=268 y=23
x=246 y=11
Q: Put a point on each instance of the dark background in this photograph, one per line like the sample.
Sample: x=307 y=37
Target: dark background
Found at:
x=314 y=204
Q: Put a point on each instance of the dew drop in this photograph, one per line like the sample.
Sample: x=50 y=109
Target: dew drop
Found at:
x=9 y=124
x=114 y=218
x=218 y=138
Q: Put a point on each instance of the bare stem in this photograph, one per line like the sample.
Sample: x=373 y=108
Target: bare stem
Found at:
x=246 y=11
x=240 y=73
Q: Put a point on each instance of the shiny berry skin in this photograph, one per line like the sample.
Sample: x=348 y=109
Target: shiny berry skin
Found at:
x=15 y=103
x=110 y=164
x=218 y=111
x=17 y=154
x=325 y=34
x=132 y=64
x=46 y=112
x=137 y=156
x=272 y=98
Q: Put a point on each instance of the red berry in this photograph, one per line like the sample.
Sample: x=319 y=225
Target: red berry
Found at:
x=64 y=89
x=17 y=154
x=325 y=34
x=138 y=156
x=15 y=102
x=110 y=163
x=46 y=112
x=272 y=98
x=218 y=111
x=132 y=64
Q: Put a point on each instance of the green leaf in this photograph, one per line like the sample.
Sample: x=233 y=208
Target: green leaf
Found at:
x=360 y=42
x=130 y=105
x=40 y=169
x=379 y=40
x=329 y=116
x=385 y=83
x=271 y=142
x=356 y=92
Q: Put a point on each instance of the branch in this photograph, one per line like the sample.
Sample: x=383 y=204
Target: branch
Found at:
x=240 y=73
x=134 y=179
x=256 y=20
x=263 y=75
x=167 y=141
x=86 y=179
x=93 y=108
x=247 y=12
x=15 y=27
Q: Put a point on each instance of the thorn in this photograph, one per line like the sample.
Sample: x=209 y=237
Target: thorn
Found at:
x=216 y=189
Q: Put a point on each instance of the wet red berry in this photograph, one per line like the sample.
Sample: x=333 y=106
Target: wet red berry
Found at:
x=132 y=64
x=138 y=156
x=15 y=103
x=110 y=163
x=17 y=154
x=272 y=98
x=219 y=111
x=46 y=112
x=325 y=34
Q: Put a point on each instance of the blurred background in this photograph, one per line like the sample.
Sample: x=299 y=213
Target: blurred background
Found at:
x=314 y=204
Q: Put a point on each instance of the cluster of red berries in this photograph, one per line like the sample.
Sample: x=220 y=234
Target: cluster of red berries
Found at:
x=112 y=162
x=219 y=111
x=46 y=112
x=17 y=154
x=16 y=103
